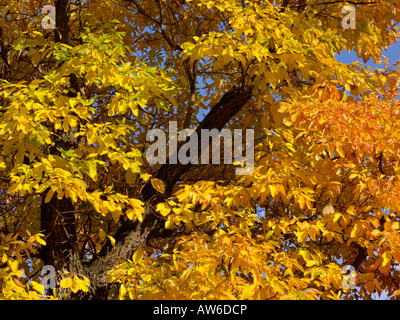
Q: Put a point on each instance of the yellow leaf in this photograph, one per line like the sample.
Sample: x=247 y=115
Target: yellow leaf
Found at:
x=122 y=292
x=304 y=254
x=353 y=176
x=66 y=283
x=112 y=240
x=80 y=283
x=130 y=213
x=13 y=265
x=169 y=223
x=130 y=176
x=247 y=292
x=49 y=195
x=157 y=184
x=171 y=99
x=39 y=239
x=302 y=202
x=115 y=216
x=387 y=256
x=351 y=211
x=336 y=217
x=355 y=230
x=38 y=287
x=188 y=46
x=162 y=209
x=396 y=255
x=311 y=263
x=274 y=189
x=102 y=234
x=75 y=286
x=98 y=247
x=145 y=176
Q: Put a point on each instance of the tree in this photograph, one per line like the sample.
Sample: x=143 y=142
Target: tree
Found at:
x=79 y=194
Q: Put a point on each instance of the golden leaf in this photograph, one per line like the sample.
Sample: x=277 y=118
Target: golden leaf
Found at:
x=157 y=184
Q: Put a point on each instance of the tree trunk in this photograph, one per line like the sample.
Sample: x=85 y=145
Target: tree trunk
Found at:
x=57 y=216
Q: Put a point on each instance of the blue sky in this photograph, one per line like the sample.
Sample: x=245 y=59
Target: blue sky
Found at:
x=393 y=53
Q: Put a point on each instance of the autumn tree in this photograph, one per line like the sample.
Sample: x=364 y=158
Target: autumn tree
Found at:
x=79 y=194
